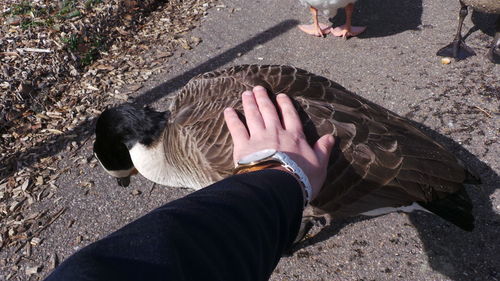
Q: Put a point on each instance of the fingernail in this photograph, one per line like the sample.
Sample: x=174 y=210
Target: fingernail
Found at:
x=228 y=109
x=247 y=93
x=331 y=139
x=281 y=95
x=259 y=88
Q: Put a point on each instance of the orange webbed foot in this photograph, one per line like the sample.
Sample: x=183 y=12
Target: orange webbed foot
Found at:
x=320 y=31
x=345 y=32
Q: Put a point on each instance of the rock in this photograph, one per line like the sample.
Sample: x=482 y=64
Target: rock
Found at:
x=30 y=270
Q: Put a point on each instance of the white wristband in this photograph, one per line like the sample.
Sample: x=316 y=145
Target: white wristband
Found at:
x=286 y=162
x=290 y=165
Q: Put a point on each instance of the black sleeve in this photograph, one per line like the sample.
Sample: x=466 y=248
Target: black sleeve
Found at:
x=236 y=229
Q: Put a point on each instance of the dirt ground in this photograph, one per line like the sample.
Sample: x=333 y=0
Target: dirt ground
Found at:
x=393 y=64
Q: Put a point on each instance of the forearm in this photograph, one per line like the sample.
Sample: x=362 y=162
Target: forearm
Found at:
x=236 y=229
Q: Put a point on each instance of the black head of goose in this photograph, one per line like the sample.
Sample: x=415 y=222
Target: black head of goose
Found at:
x=380 y=162
x=118 y=130
x=458 y=49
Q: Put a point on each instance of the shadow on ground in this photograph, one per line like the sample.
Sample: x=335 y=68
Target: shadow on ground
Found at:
x=384 y=17
x=83 y=132
x=177 y=82
x=458 y=254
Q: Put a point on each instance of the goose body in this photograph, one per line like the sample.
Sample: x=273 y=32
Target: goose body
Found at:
x=379 y=160
x=328 y=7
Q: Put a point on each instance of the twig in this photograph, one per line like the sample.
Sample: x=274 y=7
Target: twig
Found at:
x=152 y=188
x=483 y=111
x=82 y=143
x=34 y=50
x=38 y=231
x=52 y=220
x=26 y=258
x=13 y=54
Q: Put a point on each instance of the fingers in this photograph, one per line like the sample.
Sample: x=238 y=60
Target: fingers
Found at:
x=236 y=128
x=291 y=119
x=266 y=108
x=252 y=113
x=323 y=148
x=261 y=114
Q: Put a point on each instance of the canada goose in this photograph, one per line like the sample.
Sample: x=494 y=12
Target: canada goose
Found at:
x=458 y=49
x=380 y=162
x=329 y=8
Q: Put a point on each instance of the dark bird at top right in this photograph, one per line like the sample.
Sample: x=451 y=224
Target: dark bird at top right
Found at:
x=458 y=49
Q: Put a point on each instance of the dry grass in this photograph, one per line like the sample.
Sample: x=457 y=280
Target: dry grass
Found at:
x=61 y=64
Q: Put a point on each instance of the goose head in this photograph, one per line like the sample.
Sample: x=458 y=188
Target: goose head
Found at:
x=121 y=128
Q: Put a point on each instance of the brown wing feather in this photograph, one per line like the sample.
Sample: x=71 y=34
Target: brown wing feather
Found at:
x=379 y=159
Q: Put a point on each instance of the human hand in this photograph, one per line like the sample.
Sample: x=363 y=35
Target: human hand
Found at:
x=267 y=131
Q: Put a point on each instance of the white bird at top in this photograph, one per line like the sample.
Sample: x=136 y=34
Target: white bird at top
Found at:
x=329 y=8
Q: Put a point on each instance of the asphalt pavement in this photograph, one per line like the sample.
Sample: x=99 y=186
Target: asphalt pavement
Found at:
x=393 y=64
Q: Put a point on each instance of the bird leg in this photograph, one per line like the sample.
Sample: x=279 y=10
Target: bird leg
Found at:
x=315 y=29
x=347 y=30
x=494 y=53
x=457 y=49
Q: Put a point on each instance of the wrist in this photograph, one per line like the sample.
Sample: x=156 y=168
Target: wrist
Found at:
x=257 y=167
x=270 y=158
x=279 y=167
x=297 y=179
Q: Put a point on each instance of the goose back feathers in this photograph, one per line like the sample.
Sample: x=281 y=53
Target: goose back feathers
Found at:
x=379 y=159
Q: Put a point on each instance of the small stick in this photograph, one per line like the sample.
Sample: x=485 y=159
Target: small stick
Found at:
x=38 y=231
x=35 y=50
x=483 y=111
x=12 y=54
x=82 y=143
x=152 y=188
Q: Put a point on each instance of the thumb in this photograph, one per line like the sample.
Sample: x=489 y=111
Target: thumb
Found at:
x=323 y=148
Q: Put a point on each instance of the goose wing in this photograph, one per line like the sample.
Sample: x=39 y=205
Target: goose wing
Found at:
x=379 y=160
x=197 y=119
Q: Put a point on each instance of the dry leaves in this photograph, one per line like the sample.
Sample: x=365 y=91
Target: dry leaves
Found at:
x=61 y=64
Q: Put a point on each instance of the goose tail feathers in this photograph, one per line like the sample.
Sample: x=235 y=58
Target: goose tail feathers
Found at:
x=455 y=208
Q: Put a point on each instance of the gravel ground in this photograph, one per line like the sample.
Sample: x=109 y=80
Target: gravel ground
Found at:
x=392 y=64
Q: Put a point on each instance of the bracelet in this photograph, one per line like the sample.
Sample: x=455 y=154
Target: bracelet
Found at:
x=291 y=166
x=269 y=158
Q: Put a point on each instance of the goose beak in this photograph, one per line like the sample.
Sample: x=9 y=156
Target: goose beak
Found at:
x=123 y=182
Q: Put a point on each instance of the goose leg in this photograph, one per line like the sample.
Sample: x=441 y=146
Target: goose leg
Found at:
x=457 y=49
x=306 y=225
x=494 y=53
x=315 y=29
x=308 y=222
x=347 y=30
